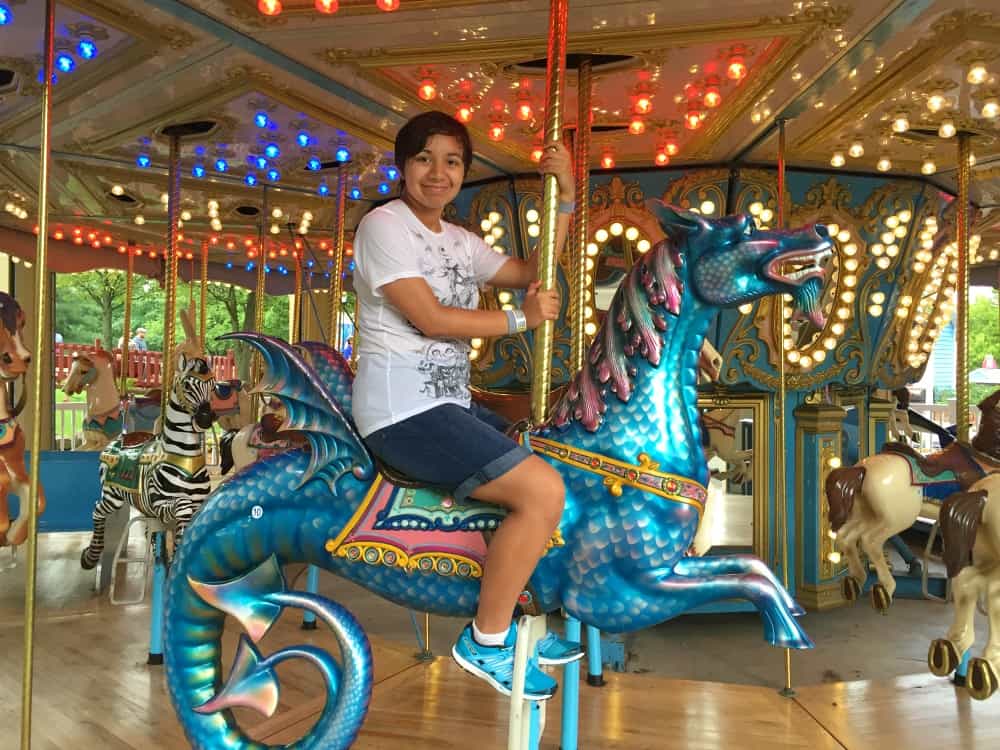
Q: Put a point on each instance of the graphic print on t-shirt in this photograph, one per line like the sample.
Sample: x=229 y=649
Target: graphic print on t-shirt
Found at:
x=446 y=367
x=442 y=265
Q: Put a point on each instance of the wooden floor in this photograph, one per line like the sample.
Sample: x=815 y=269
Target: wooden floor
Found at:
x=93 y=691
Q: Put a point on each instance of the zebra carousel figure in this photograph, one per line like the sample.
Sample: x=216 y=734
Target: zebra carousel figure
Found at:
x=163 y=476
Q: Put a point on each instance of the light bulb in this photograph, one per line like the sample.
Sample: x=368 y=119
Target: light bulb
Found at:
x=900 y=124
x=928 y=167
x=269 y=7
x=856 y=150
x=947 y=129
x=977 y=73
x=935 y=101
x=884 y=165
x=837 y=160
x=991 y=108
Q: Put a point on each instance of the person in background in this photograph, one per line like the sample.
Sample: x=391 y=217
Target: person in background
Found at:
x=138 y=342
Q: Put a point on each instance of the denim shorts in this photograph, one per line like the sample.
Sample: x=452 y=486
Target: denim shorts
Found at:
x=449 y=446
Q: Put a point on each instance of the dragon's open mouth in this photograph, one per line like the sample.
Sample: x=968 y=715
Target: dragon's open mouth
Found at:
x=797 y=267
x=805 y=272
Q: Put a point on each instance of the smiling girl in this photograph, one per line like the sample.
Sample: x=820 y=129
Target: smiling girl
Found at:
x=417 y=279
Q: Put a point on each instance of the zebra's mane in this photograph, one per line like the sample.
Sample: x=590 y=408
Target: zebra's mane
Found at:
x=632 y=326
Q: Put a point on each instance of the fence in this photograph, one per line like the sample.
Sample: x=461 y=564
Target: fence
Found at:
x=144 y=368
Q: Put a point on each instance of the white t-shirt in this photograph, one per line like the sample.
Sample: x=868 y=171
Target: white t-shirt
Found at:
x=401 y=372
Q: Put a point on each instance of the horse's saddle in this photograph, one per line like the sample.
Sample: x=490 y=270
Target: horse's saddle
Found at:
x=122 y=459
x=958 y=462
x=110 y=424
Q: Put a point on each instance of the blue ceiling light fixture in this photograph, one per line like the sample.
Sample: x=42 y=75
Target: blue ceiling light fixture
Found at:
x=221 y=165
x=261 y=120
x=229 y=265
x=303 y=138
x=273 y=175
x=354 y=194
x=143 y=161
x=267 y=269
x=261 y=162
x=250 y=179
x=199 y=150
x=250 y=266
x=198 y=170
x=343 y=154
x=323 y=188
x=383 y=187
x=65 y=62
x=392 y=173
x=309 y=264
x=272 y=151
x=86 y=48
x=314 y=164
x=6 y=16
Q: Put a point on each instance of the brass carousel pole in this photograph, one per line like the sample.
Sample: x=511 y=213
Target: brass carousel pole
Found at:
x=126 y=349
x=297 y=297
x=781 y=501
x=521 y=715
x=581 y=219
x=962 y=291
x=259 y=290
x=336 y=282
x=40 y=379
x=202 y=303
x=170 y=280
x=555 y=78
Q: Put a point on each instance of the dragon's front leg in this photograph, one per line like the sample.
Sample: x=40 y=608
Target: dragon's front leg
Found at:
x=691 y=590
x=736 y=565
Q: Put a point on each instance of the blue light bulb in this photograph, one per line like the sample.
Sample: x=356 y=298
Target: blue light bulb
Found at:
x=309 y=264
x=314 y=164
x=229 y=265
x=267 y=269
x=392 y=173
x=273 y=175
x=142 y=160
x=65 y=62
x=323 y=189
x=272 y=151
x=261 y=162
x=355 y=194
x=250 y=179
x=198 y=171
x=6 y=16
x=86 y=48
x=303 y=138
x=221 y=165
x=199 y=150
x=343 y=154
x=261 y=119
x=383 y=187
x=250 y=266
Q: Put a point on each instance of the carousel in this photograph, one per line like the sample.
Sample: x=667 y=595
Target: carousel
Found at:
x=770 y=392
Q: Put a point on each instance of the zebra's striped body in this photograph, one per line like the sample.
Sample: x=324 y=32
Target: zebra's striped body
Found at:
x=165 y=477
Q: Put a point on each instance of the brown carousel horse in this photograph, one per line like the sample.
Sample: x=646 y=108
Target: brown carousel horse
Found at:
x=884 y=494
x=14 y=361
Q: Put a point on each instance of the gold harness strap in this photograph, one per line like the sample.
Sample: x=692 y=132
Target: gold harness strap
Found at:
x=645 y=476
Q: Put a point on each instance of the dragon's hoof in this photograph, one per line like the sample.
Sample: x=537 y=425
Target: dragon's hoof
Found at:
x=851 y=588
x=981 y=682
x=942 y=657
x=881 y=599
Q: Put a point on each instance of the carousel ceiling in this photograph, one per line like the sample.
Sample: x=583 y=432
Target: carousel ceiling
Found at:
x=281 y=93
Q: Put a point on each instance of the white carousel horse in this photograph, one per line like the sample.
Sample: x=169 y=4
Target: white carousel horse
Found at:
x=884 y=494
x=95 y=373
x=970 y=524
x=720 y=425
x=163 y=476
x=14 y=361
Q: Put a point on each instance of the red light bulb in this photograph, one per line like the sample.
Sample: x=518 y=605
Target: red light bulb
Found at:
x=387 y=5
x=536 y=154
x=58 y=234
x=496 y=131
x=525 y=111
x=662 y=159
x=269 y=7
x=463 y=113
x=671 y=148
x=737 y=68
x=637 y=126
x=607 y=160
x=643 y=104
x=713 y=94
x=692 y=120
x=327 y=6
x=427 y=90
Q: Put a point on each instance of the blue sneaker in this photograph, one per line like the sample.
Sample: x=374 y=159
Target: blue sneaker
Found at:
x=495 y=665
x=554 y=651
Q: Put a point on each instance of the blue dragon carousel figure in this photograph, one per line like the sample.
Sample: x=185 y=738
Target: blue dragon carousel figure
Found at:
x=625 y=437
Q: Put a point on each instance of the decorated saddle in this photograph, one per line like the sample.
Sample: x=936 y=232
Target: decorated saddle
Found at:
x=948 y=471
x=110 y=425
x=123 y=463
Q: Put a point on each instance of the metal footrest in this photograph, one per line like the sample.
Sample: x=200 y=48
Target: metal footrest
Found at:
x=151 y=526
